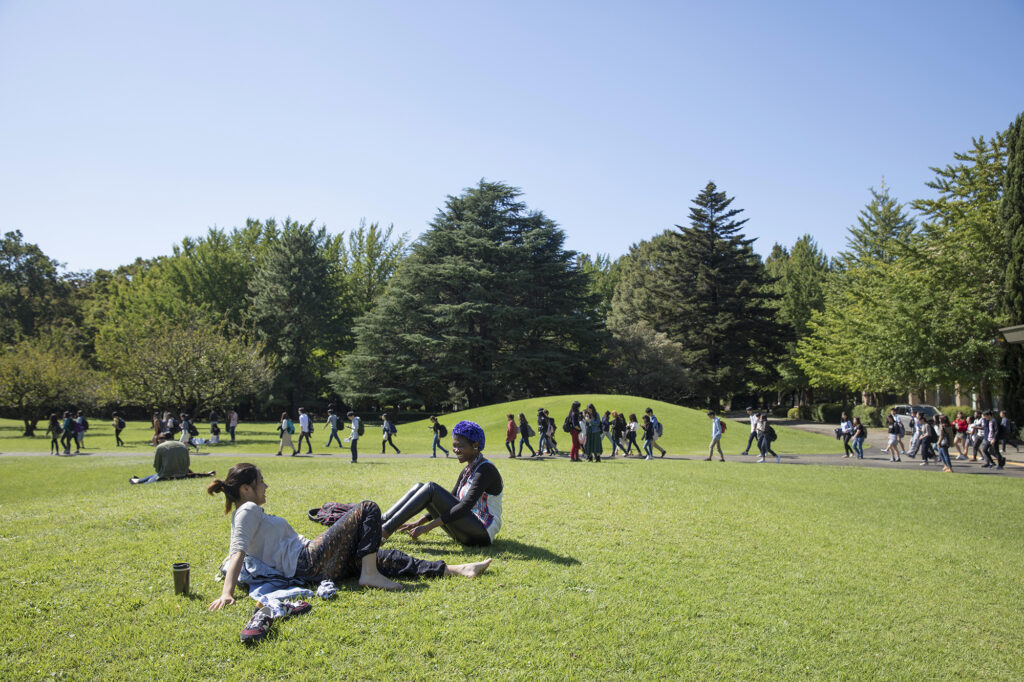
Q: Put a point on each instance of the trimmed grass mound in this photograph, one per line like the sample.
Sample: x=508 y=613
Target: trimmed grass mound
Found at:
x=671 y=570
x=687 y=431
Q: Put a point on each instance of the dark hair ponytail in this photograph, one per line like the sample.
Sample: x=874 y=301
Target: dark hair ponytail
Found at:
x=238 y=475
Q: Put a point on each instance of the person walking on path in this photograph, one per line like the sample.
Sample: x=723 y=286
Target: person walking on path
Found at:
x=389 y=429
x=286 y=428
x=439 y=432
x=81 y=426
x=846 y=432
x=631 y=428
x=525 y=431
x=68 y=433
x=332 y=424
x=657 y=431
x=892 y=425
x=901 y=430
x=858 y=432
x=716 y=437
x=592 y=445
x=960 y=441
x=752 y=438
x=573 y=425
x=606 y=430
x=118 y=425
x=551 y=435
x=353 y=437
x=54 y=431
x=511 y=432
x=305 y=429
x=990 y=442
x=947 y=433
x=927 y=439
x=648 y=428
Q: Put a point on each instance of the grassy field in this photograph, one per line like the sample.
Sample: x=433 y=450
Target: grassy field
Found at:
x=672 y=569
x=687 y=431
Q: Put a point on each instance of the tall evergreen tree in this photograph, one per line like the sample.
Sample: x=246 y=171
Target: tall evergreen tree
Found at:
x=1011 y=217
x=488 y=306
x=297 y=310
x=714 y=301
x=800 y=277
x=883 y=229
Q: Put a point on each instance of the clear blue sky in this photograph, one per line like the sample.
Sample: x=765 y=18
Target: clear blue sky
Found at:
x=127 y=125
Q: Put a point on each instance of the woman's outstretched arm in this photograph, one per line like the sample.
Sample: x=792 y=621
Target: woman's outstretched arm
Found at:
x=230 y=580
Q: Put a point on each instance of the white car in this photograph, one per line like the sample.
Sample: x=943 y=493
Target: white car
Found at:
x=905 y=413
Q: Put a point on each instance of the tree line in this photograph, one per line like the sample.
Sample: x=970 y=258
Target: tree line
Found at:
x=488 y=305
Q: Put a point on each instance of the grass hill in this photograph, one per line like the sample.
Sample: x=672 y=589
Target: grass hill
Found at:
x=686 y=431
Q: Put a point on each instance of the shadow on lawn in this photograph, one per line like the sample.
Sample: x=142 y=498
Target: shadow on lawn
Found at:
x=521 y=549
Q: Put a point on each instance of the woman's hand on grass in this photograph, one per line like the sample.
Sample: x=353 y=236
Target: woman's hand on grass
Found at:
x=224 y=600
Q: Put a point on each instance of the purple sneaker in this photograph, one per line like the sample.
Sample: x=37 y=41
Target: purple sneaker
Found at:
x=258 y=627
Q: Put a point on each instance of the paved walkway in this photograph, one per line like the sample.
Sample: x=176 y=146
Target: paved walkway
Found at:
x=873 y=455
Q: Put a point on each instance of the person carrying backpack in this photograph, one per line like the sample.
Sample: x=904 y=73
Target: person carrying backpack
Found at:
x=573 y=425
x=440 y=431
x=716 y=437
x=118 y=428
x=389 y=429
x=286 y=428
x=353 y=437
x=657 y=431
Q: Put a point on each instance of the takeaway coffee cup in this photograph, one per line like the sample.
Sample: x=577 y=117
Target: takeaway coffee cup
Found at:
x=180 y=577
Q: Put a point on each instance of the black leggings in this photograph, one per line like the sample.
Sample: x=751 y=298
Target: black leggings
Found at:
x=387 y=441
x=338 y=552
x=846 y=442
x=435 y=500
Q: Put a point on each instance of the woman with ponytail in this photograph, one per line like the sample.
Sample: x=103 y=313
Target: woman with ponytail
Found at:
x=348 y=548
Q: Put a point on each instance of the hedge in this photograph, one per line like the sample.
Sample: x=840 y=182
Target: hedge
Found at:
x=800 y=412
x=868 y=414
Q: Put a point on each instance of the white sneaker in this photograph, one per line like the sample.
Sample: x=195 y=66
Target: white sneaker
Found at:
x=761 y=460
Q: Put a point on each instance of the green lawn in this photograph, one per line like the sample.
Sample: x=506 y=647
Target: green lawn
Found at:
x=654 y=570
x=687 y=431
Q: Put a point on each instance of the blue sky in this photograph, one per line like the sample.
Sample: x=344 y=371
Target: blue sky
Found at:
x=128 y=125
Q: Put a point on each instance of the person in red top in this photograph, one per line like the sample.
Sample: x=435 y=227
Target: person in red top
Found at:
x=960 y=424
x=511 y=431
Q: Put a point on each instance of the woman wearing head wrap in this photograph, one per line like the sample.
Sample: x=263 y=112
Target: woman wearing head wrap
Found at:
x=470 y=513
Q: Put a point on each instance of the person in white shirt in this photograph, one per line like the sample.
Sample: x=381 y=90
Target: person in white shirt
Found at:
x=353 y=437
x=846 y=431
x=753 y=430
x=305 y=429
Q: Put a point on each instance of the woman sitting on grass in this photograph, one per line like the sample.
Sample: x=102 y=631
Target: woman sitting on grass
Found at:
x=347 y=548
x=471 y=512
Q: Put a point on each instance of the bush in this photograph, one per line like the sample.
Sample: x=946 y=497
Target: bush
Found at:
x=868 y=415
x=799 y=412
x=951 y=410
x=828 y=413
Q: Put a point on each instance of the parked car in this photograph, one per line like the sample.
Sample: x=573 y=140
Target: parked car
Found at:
x=905 y=413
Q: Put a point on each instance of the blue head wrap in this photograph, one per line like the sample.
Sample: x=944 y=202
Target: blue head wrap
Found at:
x=471 y=431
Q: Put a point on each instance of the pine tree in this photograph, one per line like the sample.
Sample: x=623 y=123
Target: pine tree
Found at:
x=488 y=306
x=1011 y=217
x=298 y=310
x=714 y=301
x=883 y=231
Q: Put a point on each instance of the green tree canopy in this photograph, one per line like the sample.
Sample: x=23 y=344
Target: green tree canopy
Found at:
x=1011 y=220
x=487 y=306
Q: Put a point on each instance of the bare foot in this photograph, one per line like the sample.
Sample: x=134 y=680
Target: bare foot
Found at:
x=469 y=570
x=379 y=582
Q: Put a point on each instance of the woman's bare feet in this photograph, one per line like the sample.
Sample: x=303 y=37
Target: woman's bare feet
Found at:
x=378 y=581
x=468 y=570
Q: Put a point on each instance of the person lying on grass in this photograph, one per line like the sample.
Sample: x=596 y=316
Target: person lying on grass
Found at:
x=471 y=512
x=348 y=548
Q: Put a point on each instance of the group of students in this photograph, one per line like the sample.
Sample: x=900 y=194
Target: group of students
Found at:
x=65 y=430
x=286 y=427
x=470 y=513
x=933 y=437
x=587 y=429
x=761 y=432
